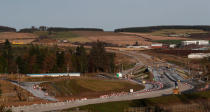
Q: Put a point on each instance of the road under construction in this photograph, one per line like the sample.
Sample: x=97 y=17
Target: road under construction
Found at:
x=166 y=81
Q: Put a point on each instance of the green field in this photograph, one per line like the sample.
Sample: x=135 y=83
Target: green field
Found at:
x=57 y=35
x=66 y=35
x=88 y=87
x=166 y=32
x=168 y=41
x=164 y=100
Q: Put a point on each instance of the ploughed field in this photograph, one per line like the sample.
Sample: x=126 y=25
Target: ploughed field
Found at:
x=87 y=87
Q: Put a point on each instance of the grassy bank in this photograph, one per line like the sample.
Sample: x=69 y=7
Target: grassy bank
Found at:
x=199 y=97
x=88 y=87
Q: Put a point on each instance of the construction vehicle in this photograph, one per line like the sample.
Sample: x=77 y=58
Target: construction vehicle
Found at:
x=176 y=89
x=17 y=43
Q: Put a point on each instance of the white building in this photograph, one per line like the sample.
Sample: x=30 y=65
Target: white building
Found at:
x=172 y=45
x=54 y=75
x=158 y=45
x=203 y=42
x=198 y=55
x=119 y=75
x=196 y=42
x=146 y=47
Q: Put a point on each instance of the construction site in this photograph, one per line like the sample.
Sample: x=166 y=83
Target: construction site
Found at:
x=145 y=67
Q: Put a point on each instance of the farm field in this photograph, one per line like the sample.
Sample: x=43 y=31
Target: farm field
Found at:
x=17 y=37
x=166 y=32
x=121 y=39
x=152 y=37
x=205 y=36
x=87 y=87
x=162 y=36
x=13 y=35
x=92 y=36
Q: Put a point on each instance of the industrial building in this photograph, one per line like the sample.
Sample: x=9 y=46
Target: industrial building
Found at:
x=195 y=42
x=172 y=45
x=198 y=55
x=146 y=47
x=159 y=45
x=54 y=75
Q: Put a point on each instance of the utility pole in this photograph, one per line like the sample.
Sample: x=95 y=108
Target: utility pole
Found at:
x=67 y=69
x=18 y=74
x=122 y=68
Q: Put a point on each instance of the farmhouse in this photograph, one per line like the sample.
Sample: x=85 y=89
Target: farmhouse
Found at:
x=54 y=75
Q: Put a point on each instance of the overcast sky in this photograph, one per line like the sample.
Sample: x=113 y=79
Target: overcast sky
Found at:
x=106 y=14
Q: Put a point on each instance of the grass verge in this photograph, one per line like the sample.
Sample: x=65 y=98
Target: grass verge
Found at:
x=164 y=100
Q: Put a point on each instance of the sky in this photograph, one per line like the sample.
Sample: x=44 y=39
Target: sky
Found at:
x=106 y=14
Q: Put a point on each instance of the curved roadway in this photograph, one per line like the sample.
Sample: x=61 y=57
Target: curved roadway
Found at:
x=163 y=85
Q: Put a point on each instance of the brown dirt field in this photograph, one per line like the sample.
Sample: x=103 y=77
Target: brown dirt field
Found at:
x=24 y=38
x=13 y=35
x=109 y=37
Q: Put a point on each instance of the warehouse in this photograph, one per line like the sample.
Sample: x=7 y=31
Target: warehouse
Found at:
x=54 y=75
x=157 y=45
x=146 y=47
x=198 y=55
x=196 y=42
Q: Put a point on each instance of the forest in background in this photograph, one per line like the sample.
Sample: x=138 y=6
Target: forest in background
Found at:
x=155 y=28
x=40 y=59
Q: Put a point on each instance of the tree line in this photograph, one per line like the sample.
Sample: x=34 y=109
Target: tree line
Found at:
x=38 y=59
x=154 y=28
x=7 y=29
x=56 y=29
